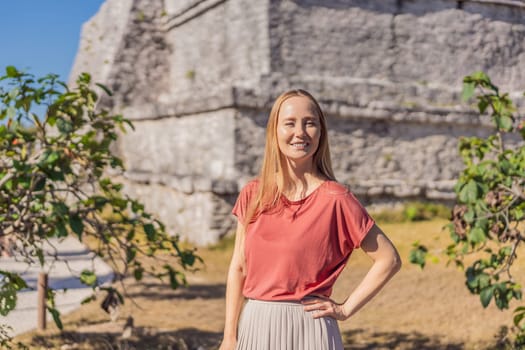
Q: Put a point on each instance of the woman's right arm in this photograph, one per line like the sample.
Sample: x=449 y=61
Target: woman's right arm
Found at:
x=234 y=297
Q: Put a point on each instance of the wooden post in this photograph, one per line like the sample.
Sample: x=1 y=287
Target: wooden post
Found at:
x=41 y=306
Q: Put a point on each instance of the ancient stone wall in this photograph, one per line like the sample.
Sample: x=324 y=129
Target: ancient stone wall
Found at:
x=198 y=77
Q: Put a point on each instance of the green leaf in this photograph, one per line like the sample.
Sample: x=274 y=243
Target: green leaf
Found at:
x=486 y=295
x=517 y=319
x=64 y=126
x=505 y=251
x=103 y=87
x=519 y=314
x=504 y=122
x=504 y=166
x=9 y=185
x=88 y=278
x=482 y=105
x=468 y=91
x=52 y=157
x=39 y=184
x=483 y=79
x=131 y=252
x=138 y=273
x=476 y=235
x=56 y=175
x=188 y=258
x=174 y=283
x=469 y=216
x=469 y=193
x=60 y=208
x=60 y=229
x=501 y=301
x=11 y=284
x=120 y=203
x=56 y=317
x=482 y=224
x=88 y=299
x=483 y=280
x=130 y=235
x=136 y=207
x=472 y=279
x=520 y=308
x=518 y=213
x=150 y=231
x=40 y=255
x=11 y=71
x=51 y=119
x=76 y=224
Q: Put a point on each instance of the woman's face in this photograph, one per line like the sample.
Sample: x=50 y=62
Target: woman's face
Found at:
x=298 y=129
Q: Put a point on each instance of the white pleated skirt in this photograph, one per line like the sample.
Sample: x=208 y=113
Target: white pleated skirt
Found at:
x=283 y=325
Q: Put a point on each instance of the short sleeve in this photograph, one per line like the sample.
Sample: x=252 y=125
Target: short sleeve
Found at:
x=243 y=200
x=353 y=220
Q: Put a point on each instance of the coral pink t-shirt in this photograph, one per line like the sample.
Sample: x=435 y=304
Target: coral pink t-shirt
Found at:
x=301 y=248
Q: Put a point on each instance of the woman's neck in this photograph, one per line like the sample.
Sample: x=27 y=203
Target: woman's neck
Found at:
x=301 y=180
x=299 y=171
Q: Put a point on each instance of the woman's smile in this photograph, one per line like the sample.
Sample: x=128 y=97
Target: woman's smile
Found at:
x=298 y=129
x=300 y=145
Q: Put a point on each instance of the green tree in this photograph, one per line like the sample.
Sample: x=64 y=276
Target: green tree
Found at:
x=55 y=181
x=487 y=220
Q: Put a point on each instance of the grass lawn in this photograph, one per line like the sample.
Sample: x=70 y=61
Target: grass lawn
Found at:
x=430 y=309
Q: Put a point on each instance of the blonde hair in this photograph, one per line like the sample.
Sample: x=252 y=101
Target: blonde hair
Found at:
x=272 y=177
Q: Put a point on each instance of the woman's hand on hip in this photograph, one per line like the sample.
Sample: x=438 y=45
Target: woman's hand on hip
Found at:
x=324 y=307
x=228 y=344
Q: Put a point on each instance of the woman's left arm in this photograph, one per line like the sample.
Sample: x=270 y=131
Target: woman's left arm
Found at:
x=386 y=263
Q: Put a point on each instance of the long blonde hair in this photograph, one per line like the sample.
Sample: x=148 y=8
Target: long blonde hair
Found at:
x=272 y=177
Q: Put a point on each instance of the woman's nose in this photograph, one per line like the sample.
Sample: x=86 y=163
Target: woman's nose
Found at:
x=300 y=130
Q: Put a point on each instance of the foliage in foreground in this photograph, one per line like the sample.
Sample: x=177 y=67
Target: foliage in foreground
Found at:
x=488 y=217
x=54 y=182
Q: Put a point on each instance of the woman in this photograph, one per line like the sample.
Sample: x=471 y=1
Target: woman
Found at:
x=296 y=230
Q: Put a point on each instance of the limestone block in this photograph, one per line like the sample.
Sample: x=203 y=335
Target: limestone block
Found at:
x=499 y=10
x=421 y=8
x=333 y=38
x=202 y=145
x=180 y=6
x=443 y=45
x=182 y=184
x=440 y=195
x=143 y=45
x=100 y=40
x=395 y=156
x=407 y=191
x=221 y=186
x=250 y=131
x=225 y=44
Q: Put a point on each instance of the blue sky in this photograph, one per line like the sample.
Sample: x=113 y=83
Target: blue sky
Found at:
x=42 y=36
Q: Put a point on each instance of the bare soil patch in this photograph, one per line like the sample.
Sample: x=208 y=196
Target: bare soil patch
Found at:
x=430 y=309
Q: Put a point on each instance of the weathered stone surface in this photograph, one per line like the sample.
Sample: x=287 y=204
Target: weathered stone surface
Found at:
x=201 y=145
x=101 y=39
x=198 y=78
x=222 y=45
x=448 y=44
x=332 y=38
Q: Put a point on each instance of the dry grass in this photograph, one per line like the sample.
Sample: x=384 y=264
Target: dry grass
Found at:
x=418 y=310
